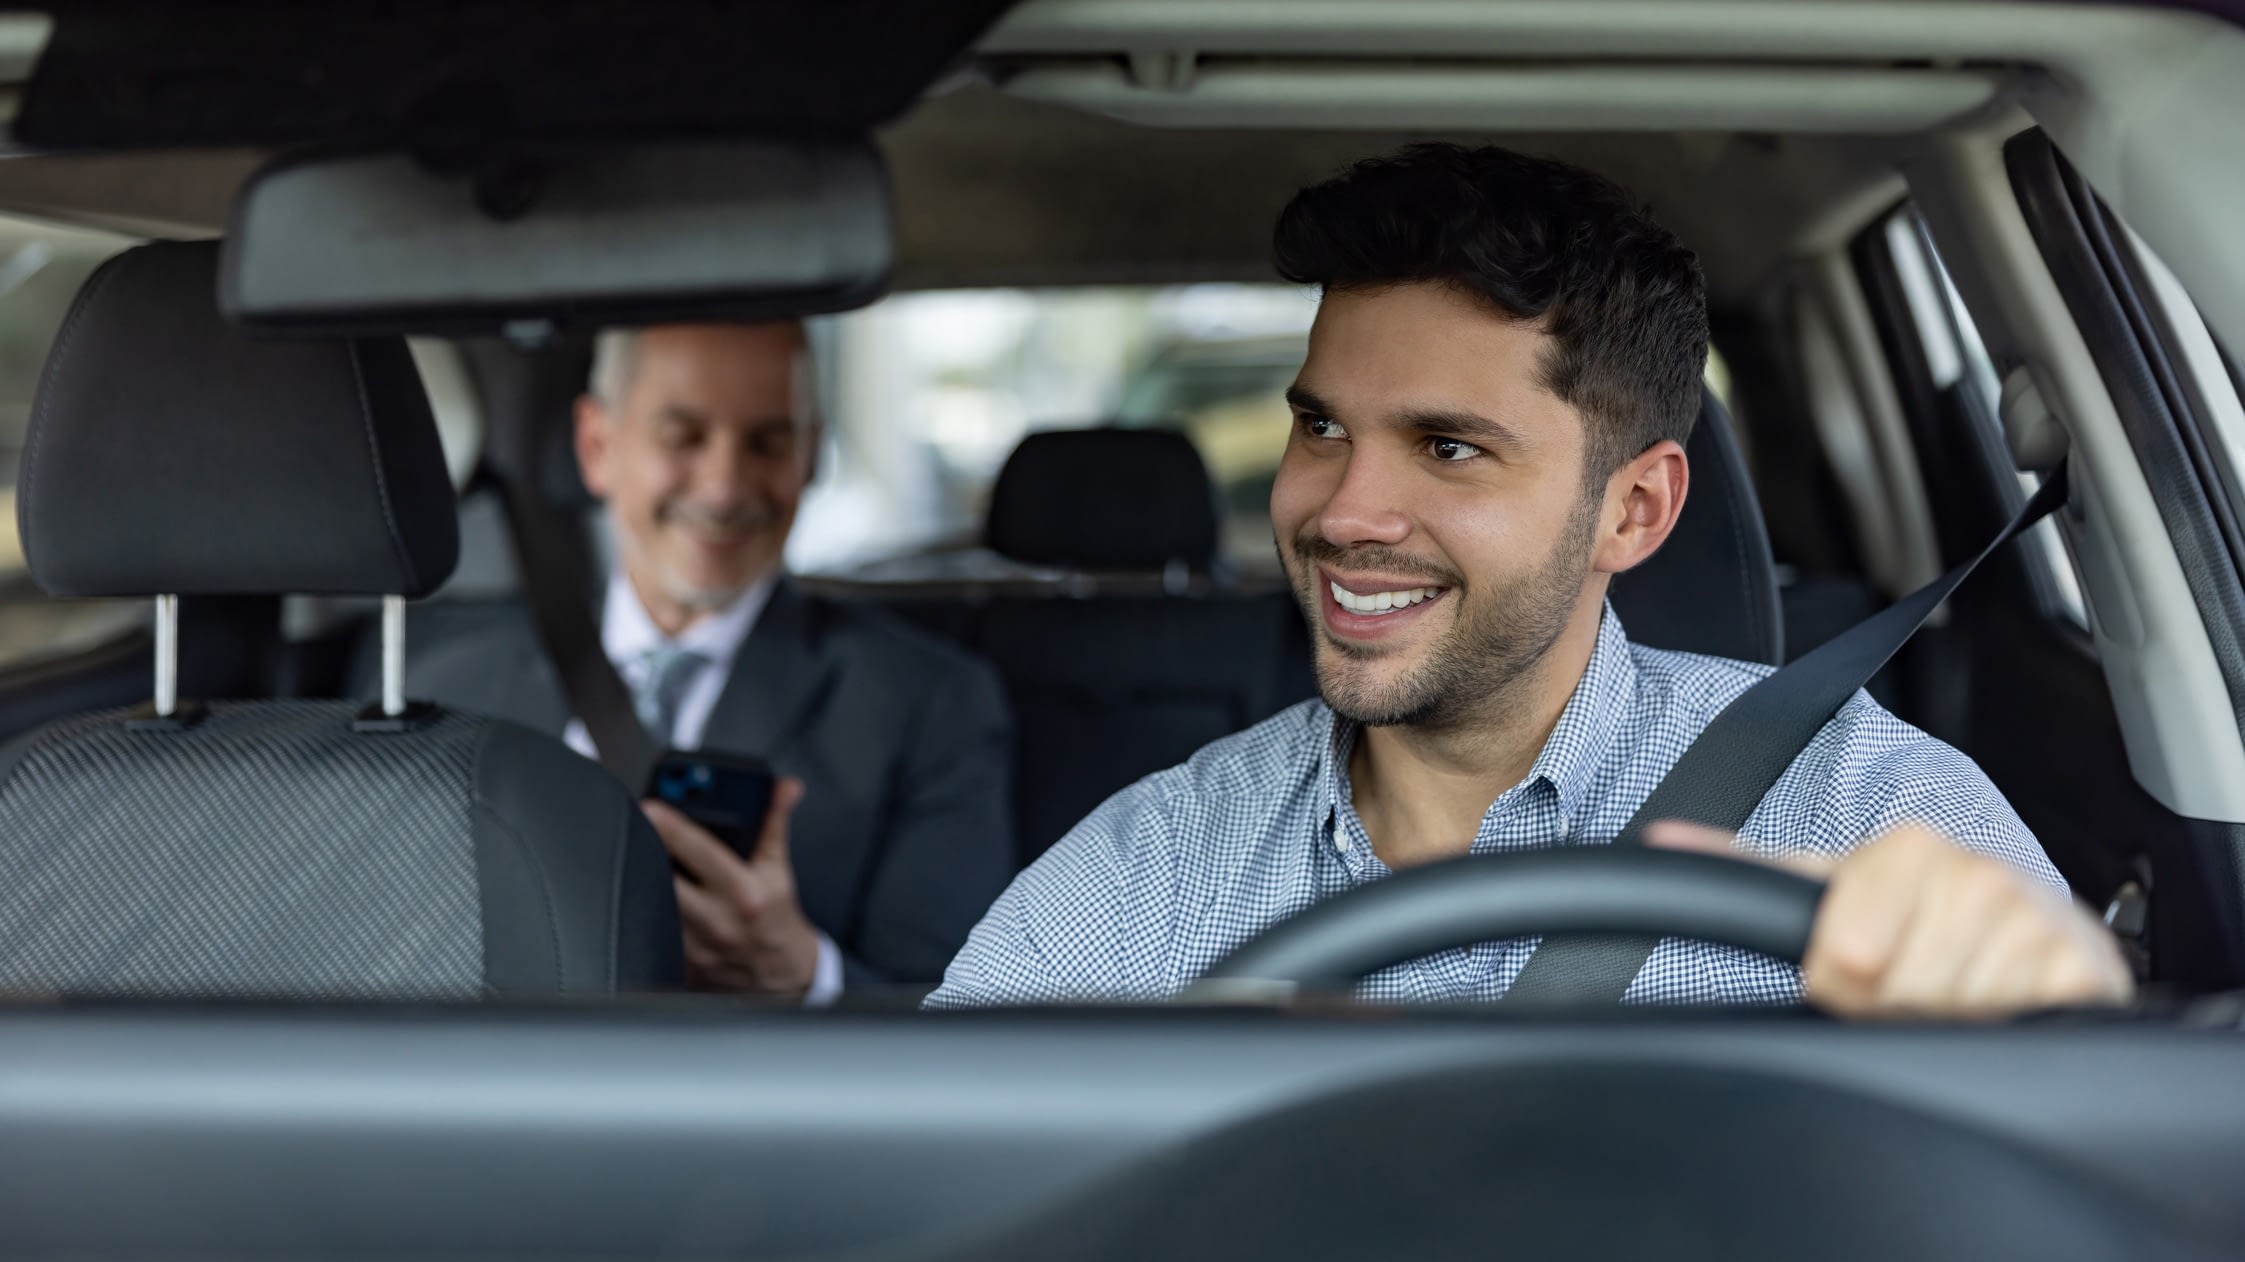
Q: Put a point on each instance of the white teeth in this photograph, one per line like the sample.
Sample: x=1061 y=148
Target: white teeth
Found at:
x=1381 y=602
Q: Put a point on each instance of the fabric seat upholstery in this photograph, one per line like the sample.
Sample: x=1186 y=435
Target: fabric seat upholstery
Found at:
x=1712 y=588
x=1115 y=669
x=285 y=848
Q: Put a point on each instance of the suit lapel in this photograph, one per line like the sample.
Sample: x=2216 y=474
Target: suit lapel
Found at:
x=776 y=682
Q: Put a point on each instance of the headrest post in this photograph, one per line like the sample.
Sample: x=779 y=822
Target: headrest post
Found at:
x=393 y=656
x=167 y=657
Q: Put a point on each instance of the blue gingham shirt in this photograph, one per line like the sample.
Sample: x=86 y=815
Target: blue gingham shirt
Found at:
x=1169 y=875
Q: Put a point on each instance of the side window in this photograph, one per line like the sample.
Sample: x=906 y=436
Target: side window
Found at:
x=2203 y=370
x=41 y=267
x=928 y=392
x=1956 y=359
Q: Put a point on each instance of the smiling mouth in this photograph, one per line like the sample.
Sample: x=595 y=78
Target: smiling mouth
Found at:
x=714 y=535
x=1373 y=604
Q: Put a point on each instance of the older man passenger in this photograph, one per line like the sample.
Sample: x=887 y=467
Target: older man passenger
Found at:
x=891 y=831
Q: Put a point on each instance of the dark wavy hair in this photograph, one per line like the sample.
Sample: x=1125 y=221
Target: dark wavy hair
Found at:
x=1621 y=299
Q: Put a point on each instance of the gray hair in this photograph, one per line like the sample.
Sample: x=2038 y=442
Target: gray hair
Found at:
x=615 y=358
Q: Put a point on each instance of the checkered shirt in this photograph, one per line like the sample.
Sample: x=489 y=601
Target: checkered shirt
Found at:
x=1168 y=876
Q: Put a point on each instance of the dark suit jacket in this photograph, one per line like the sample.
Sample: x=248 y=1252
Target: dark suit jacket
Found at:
x=904 y=836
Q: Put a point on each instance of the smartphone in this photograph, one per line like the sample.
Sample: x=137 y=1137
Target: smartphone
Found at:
x=725 y=793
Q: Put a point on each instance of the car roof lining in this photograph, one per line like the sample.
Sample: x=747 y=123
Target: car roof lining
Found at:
x=1018 y=173
x=1016 y=178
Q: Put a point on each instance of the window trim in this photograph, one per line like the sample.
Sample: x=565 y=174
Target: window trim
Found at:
x=2065 y=220
x=2052 y=572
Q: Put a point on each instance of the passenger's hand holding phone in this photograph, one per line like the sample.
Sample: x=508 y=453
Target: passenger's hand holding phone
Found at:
x=745 y=928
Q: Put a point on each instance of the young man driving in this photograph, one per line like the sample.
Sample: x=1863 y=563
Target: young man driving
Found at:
x=1488 y=427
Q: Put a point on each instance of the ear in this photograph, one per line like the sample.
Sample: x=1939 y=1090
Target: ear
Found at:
x=592 y=442
x=815 y=437
x=1643 y=498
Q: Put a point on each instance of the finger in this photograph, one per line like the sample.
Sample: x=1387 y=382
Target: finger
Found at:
x=701 y=960
x=1868 y=906
x=708 y=860
x=771 y=843
x=2085 y=970
x=2006 y=974
x=708 y=919
x=1961 y=899
x=1676 y=834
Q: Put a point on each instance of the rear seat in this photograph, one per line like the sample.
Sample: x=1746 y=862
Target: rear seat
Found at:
x=1102 y=605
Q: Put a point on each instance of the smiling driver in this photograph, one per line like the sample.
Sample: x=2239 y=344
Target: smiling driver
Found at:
x=1489 y=426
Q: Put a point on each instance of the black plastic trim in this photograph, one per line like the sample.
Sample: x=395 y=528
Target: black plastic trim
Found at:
x=2069 y=226
x=701 y=1130
x=2051 y=197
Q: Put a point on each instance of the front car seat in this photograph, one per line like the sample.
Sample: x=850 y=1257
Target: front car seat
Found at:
x=1712 y=588
x=294 y=848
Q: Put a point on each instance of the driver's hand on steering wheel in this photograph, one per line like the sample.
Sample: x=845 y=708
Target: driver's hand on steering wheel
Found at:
x=1914 y=925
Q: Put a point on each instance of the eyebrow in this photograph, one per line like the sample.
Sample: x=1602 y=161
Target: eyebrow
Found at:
x=1474 y=428
x=1446 y=422
x=688 y=416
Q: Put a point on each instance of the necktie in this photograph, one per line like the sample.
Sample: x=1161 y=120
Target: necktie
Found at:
x=664 y=673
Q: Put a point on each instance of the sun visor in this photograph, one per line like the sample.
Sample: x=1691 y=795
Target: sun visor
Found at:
x=143 y=74
x=577 y=236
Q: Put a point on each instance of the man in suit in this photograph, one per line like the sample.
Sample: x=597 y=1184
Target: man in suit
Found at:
x=890 y=834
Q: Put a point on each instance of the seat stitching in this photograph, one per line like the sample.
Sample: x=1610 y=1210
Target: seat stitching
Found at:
x=484 y=807
x=616 y=900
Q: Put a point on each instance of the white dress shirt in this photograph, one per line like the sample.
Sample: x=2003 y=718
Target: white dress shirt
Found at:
x=628 y=635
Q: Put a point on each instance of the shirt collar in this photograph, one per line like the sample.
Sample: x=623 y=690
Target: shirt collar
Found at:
x=1586 y=728
x=627 y=633
x=1578 y=743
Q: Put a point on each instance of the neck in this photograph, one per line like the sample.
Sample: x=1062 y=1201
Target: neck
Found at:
x=1423 y=791
x=670 y=615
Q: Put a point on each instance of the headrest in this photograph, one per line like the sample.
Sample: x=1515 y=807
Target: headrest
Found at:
x=168 y=453
x=1712 y=588
x=1105 y=499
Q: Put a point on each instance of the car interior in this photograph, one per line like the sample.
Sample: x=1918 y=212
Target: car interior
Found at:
x=414 y=992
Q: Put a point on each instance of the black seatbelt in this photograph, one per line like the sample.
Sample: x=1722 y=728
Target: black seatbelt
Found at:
x=1742 y=752
x=555 y=572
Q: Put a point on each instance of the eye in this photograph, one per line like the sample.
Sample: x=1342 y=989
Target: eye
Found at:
x=1451 y=450
x=1320 y=426
x=776 y=442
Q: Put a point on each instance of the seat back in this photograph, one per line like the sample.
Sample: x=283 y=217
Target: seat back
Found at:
x=284 y=848
x=1712 y=588
x=1120 y=654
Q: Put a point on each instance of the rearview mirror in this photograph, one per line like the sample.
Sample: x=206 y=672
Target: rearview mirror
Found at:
x=384 y=242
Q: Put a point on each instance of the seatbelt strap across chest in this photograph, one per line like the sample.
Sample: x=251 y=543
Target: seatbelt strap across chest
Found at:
x=553 y=563
x=1726 y=772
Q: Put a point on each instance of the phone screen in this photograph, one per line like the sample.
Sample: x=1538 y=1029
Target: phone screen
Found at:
x=724 y=793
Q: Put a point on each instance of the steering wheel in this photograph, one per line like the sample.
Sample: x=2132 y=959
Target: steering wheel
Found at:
x=1480 y=898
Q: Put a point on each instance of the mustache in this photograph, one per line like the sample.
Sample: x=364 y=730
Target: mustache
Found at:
x=1316 y=549
x=741 y=517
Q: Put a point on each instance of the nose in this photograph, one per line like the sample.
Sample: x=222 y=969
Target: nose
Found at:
x=722 y=473
x=1367 y=507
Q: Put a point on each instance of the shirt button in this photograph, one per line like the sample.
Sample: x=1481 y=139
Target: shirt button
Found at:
x=1340 y=837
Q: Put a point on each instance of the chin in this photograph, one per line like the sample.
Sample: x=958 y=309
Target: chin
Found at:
x=704 y=592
